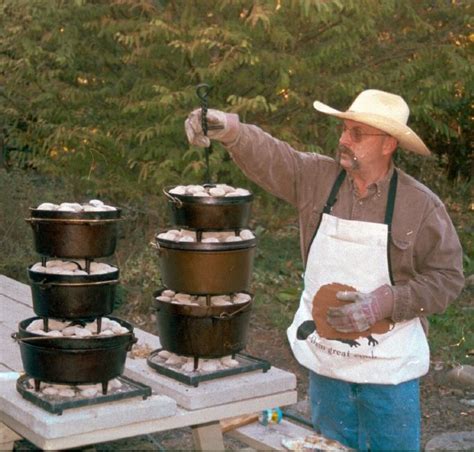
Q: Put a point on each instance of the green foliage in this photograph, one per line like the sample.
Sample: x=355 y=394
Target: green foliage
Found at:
x=277 y=277
x=451 y=337
x=19 y=192
x=97 y=92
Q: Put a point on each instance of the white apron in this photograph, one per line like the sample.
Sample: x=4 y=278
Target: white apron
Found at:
x=355 y=253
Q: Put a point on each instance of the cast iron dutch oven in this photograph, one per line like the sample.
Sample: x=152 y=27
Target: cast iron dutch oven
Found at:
x=85 y=235
x=206 y=268
x=202 y=331
x=73 y=296
x=209 y=213
x=74 y=361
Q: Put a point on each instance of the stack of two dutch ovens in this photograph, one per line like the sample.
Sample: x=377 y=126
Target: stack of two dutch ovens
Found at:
x=194 y=263
x=76 y=293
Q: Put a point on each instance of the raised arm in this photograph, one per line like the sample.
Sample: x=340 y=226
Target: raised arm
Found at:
x=269 y=162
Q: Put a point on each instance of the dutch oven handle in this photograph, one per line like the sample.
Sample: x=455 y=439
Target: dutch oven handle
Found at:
x=173 y=199
x=17 y=338
x=157 y=247
x=133 y=341
x=34 y=224
x=82 y=221
x=225 y=315
x=47 y=285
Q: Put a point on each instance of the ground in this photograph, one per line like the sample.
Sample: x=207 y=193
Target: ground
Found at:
x=444 y=405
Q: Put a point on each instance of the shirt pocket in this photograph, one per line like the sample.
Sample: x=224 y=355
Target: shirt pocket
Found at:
x=401 y=255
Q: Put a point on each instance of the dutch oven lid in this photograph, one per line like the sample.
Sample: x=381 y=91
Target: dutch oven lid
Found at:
x=46 y=278
x=207 y=200
x=223 y=312
x=77 y=343
x=61 y=215
x=204 y=246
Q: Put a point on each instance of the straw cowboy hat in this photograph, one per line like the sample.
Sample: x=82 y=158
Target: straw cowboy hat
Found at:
x=384 y=111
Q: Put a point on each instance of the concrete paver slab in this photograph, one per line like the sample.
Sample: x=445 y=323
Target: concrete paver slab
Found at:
x=82 y=420
x=215 y=392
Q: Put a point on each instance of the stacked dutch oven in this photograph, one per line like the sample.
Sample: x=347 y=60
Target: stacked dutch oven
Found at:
x=71 y=341
x=206 y=264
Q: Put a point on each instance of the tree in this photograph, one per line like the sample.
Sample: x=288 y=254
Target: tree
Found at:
x=99 y=90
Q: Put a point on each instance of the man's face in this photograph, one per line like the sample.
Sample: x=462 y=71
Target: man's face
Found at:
x=360 y=146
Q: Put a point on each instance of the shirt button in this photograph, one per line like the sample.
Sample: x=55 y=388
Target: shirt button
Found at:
x=360 y=203
x=422 y=309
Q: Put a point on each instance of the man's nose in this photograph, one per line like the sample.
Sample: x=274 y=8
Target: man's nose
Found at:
x=345 y=138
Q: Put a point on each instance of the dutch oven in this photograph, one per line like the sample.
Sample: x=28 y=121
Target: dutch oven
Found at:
x=74 y=360
x=206 y=268
x=209 y=213
x=73 y=296
x=202 y=331
x=85 y=235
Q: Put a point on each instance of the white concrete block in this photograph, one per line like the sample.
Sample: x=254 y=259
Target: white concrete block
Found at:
x=9 y=350
x=13 y=312
x=82 y=420
x=215 y=392
x=16 y=290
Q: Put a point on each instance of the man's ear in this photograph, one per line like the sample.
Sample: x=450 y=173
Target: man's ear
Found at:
x=389 y=145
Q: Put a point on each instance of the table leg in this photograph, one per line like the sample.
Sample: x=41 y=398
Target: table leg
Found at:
x=208 y=436
x=7 y=437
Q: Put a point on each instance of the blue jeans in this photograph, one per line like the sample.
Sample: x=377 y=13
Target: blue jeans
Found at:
x=367 y=416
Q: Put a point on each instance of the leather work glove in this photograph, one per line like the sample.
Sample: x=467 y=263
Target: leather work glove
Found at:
x=218 y=127
x=366 y=309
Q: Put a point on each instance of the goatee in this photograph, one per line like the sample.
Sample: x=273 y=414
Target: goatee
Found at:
x=343 y=150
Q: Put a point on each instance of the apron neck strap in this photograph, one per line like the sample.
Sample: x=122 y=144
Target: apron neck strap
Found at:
x=334 y=190
x=392 y=191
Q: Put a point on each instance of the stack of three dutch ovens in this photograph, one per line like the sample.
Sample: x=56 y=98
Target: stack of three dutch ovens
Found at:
x=74 y=299
x=205 y=269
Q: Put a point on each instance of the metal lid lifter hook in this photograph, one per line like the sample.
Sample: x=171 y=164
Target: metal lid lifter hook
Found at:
x=202 y=91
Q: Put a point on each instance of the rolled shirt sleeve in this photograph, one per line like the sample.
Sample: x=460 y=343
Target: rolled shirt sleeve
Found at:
x=269 y=162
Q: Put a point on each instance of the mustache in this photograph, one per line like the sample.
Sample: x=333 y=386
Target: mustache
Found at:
x=341 y=149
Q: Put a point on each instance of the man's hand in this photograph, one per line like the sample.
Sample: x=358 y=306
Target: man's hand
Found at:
x=218 y=127
x=366 y=309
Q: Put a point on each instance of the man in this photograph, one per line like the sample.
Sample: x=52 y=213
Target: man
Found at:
x=372 y=229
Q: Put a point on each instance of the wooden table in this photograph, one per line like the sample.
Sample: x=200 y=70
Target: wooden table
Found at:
x=63 y=431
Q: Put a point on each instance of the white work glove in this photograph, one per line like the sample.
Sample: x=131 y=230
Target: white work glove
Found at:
x=366 y=309
x=217 y=124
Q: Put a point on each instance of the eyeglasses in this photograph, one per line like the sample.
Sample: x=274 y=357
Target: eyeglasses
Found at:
x=356 y=133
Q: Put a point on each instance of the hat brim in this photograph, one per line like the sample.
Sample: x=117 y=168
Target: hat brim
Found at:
x=407 y=138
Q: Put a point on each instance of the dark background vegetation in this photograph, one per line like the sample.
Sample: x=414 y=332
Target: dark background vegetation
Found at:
x=93 y=96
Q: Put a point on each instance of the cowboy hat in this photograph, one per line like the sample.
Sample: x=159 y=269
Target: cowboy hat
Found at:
x=384 y=111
